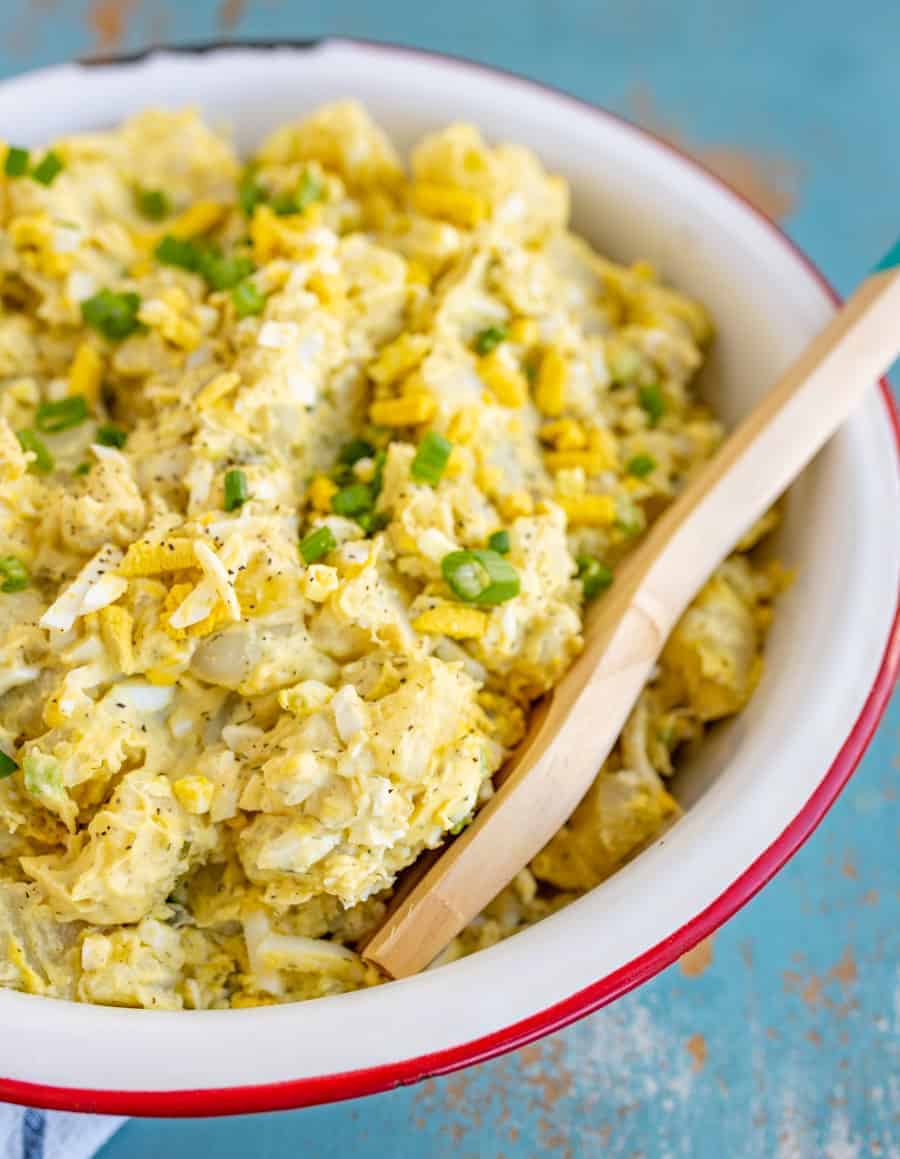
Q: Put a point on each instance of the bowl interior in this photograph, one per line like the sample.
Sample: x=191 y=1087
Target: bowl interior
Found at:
x=632 y=198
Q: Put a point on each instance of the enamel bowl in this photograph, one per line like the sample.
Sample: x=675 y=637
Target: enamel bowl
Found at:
x=753 y=794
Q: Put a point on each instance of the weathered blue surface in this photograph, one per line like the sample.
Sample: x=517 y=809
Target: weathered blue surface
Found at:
x=785 y=1042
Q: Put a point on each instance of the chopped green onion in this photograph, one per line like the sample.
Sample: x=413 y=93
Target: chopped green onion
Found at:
x=16 y=163
x=250 y=194
x=114 y=315
x=309 y=190
x=153 y=204
x=464 y=575
x=480 y=577
x=355 y=450
x=30 y=440
x=109 y=435
x=377 y=480
x=487 y=340
x=318 y=544
x=630 y=518
x=224 y=272
x=43 y=777
x=177 y=251
x=48 y=168
x=651 y=399
x=283 y=204
x=221 y=271
x=247 y=299
x=624 y=365
x=431 y=458
x=61 y=415
x=372 y=521
x=82 y=469
x=236 y=492
x=353 y=500
x=13 y=574
x=531 y=372
x=595 y=576
x=463 y=823
x=351 y=454
x=345 y=475
x=499 y=542
x=640 y=466
x=7 y=766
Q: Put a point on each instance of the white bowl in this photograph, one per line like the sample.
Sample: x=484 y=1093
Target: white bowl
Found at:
x=757 y=789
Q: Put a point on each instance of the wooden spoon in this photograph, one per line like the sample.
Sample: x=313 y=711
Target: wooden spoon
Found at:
x=573 y=729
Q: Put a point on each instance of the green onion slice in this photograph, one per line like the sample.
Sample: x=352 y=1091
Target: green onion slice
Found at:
x=7 y=766
x=247 y=299
x=379 y=459
x=250 y=194
x=595 y=576
x=16 y=163
x=652 y=402
x=630 y=518
x=499 y=542
x=30 y=440
x=13 y=574
x=114 y=315
x=236 y=491
x=283 y=204
x=61 y=415
x=153 y=204
x=624 y=365
x=480 y=576
x=177 y=251
x=224 y=272
x=318 y=544
x=353 y=500
x=431 y=458
x=640 y=466
x=109 y=435
x=487 y=340
x=48 y=168
x=372 y=521
x=220 y=271
x=43 y=776
x=355 y=450
x=308 y=191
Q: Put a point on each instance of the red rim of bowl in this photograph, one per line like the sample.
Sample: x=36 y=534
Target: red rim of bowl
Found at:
x=371 y=1080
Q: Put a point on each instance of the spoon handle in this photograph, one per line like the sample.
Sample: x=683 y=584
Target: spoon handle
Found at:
x=573 y=729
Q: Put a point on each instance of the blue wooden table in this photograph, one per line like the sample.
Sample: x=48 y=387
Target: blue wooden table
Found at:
x=779 y=1036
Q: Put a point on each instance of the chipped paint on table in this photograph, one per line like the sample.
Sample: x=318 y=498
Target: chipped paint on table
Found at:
x=778 y=1037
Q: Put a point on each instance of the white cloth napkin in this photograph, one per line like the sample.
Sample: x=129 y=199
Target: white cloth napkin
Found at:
x=29 y=1134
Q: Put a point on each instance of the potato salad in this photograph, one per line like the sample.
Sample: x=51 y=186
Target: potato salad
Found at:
x=309 y=464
